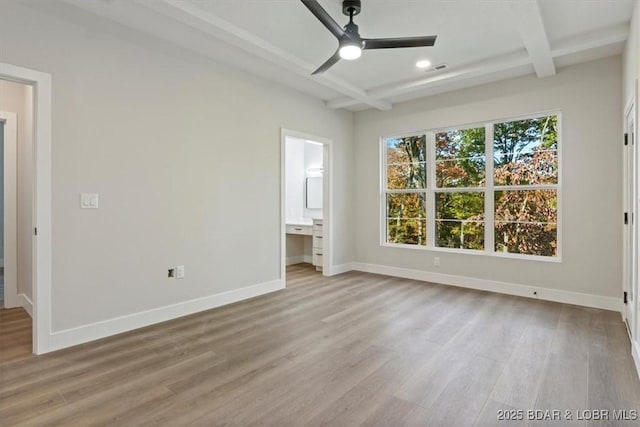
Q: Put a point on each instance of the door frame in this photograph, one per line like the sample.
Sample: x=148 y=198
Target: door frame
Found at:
x=327 y=200
x=41 y=264
x=10 y=204
x=631 y=186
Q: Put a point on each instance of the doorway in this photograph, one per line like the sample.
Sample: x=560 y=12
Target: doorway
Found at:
x=40 y=232
x=630 y=231
x=8 y=224
x=305 y=202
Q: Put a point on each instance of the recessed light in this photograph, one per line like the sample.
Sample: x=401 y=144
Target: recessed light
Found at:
x=423 y=63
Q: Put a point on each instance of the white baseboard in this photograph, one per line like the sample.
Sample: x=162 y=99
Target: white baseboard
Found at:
x=94 y=331
x=635 y=352
x=26 y=303
x=567 y=297
x=299 y=259
x=339 y=269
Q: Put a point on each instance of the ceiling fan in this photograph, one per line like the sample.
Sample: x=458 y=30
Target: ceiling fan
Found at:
x=350 y=42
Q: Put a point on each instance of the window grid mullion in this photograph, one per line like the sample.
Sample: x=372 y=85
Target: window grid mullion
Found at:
x=489 y=220
x=430 y=193
x=526 y=187
x=459 y=190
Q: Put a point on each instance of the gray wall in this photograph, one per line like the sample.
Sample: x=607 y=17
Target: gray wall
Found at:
x=589 y=96
x=185 y=155
x=631 y=61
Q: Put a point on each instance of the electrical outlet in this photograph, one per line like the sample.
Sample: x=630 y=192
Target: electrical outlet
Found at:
x=172 y=272
x=436 y=261
x=180 y=272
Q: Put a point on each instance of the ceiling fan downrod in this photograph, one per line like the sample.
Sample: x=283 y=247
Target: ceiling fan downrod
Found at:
x=351 y=8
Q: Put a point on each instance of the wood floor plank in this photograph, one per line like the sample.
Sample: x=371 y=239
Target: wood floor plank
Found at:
x=466 y=394
x=564 y=386
x=519 y=382
x=348 y=350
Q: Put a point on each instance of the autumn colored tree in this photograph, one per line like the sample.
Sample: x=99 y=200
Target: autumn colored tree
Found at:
x=460 y=162
x=406 y=169
x=526 y=154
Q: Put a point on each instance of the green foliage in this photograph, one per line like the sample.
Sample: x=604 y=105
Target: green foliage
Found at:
x=460 y=220
x=460 y=158
x=406 y=218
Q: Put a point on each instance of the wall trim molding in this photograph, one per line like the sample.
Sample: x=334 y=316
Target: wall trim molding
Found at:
x=25 y=302
x=85 y=333
x=547 y=294
x=299 y=259
x=635 y=352
x=340 y=268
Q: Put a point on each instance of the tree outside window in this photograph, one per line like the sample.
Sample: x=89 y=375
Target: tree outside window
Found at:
x=440 y=191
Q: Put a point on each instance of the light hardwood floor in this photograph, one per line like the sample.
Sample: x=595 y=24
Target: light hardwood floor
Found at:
x=355 y=349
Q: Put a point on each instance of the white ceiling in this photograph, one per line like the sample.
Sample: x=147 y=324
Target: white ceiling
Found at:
x=479 y=40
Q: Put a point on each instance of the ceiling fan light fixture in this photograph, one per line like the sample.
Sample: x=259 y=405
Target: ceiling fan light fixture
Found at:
x=350 y=44
x=350 y=51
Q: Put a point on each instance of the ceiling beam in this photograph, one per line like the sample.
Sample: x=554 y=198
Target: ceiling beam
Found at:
x=580 y=43
x=198 y=19
x=477 y=69
x=592 y=40
x=530 y=25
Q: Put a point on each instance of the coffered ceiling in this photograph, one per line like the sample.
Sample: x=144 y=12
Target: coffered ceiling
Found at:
x=478 y=40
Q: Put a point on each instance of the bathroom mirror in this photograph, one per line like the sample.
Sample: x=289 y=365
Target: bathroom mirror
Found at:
x=314 y=193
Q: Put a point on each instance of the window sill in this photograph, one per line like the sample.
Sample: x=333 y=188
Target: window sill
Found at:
x=556 y=259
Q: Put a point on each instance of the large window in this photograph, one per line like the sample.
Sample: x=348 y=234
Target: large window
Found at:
x=440 y=190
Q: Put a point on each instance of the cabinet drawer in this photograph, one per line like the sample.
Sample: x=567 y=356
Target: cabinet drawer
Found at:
x=317 y=242
x=299 y=229
x=317 y=259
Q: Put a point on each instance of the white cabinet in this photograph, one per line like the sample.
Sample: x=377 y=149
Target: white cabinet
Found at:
x=299 y=229
x=318 y=243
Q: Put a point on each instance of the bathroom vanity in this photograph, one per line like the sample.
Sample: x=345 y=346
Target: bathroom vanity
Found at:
x=313 y=228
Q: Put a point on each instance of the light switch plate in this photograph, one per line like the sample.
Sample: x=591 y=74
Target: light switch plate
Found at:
x=88 y=201
x=180 y=272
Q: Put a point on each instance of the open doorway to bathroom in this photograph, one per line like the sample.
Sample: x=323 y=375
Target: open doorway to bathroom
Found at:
x=16 y=204
x=305 y=203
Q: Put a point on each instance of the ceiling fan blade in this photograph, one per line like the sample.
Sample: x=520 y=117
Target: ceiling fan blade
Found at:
x=391 y=43
x=324 y=17
x=328 y=64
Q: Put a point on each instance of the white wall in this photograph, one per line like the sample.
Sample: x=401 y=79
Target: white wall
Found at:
x=313 y=156
x=294 y=173
x=589 y=97
x=631 y=57
x=185 y=155
x=17 y=98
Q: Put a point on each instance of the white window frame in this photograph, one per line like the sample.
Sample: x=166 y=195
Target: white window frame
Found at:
x=385 y=191
x=488 y=190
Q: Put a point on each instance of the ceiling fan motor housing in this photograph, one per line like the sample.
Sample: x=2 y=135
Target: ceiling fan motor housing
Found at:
x=351 y=7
